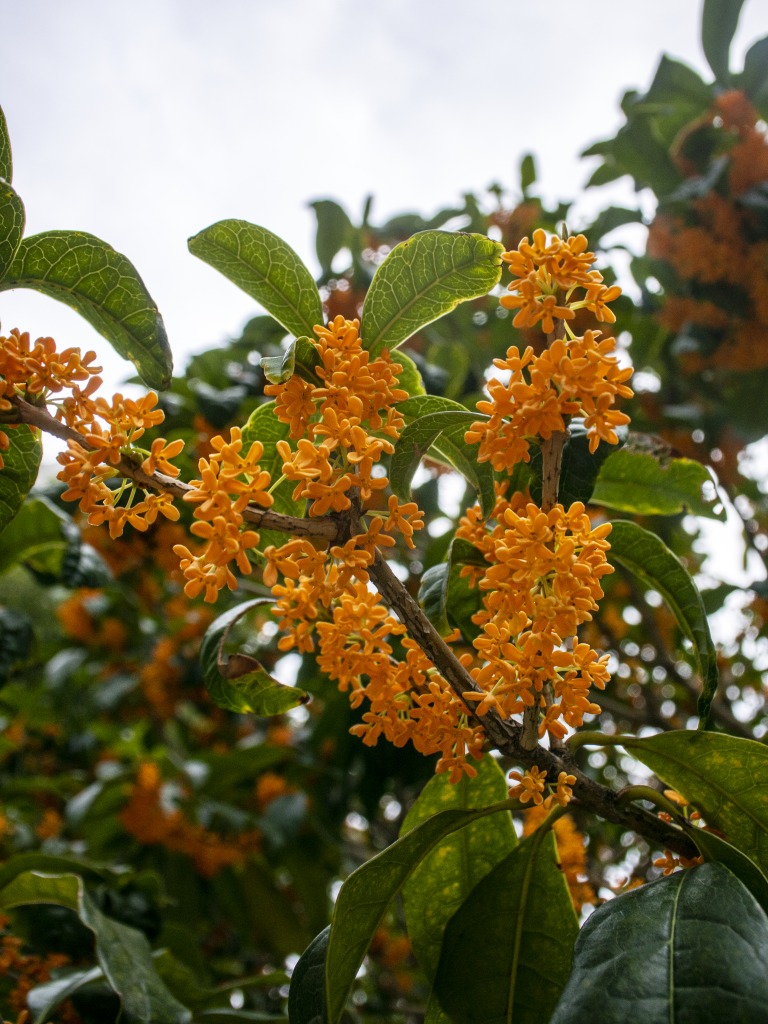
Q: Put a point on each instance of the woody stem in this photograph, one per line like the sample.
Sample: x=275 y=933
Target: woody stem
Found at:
x=504 y=735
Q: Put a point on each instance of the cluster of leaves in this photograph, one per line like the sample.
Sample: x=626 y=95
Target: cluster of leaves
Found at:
x=249 y=825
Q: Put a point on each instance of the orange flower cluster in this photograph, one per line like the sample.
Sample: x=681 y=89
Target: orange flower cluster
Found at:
x=145 y=818
x=229 y=482
x=572 y=851
x=544 y=566
x=111 y=430
x=539 y=393
x=718 y=241
x=542 y=583
x=547 y=272
x=343 y=426
x=324 y=598
x=534 y=395
x=79 y=618
x=531 y=786
x=34 y=372
x=24 y=971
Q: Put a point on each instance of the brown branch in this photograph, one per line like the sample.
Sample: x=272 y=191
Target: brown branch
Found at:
x=324 y=528
x=505 y=735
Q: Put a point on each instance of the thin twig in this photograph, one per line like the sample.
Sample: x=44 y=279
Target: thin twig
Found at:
x=505 y=735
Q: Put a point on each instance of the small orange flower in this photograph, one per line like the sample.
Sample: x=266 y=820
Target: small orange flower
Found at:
x=530 y=786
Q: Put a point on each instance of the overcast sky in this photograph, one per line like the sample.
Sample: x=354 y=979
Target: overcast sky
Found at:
x=145 y=122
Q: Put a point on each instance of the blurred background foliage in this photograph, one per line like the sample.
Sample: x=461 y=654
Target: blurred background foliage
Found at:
x=223 y=838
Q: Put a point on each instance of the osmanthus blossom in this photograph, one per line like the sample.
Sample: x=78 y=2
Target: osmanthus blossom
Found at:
x=543 y=566
x=542 y=580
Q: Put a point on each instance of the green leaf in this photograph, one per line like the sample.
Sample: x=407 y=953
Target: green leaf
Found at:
x=507 y=951
x=433 y=596
x=104 y=288
x=366 y=894
x=527 y=173
x=580 y=467
x=609 y=219
x=42 y=1000
x=689 y=947
x=446 y=596
x=21 y=463
x=11 y=225
x=754 y=77
x=264 y=267
x=647 y=557
x=638 y=482
x=718 y=24
x=306 y=996
x=38 y=537
x=265 y=427
x=300 y=357
x=424 y=278
x=122 y=952
x=724 y=777
x=16 y=639
x=447 y=875
x=436 y=426
x=238 y=682
x=716 y=850
x=6 y=162
x=334 y=230
x=409 y=377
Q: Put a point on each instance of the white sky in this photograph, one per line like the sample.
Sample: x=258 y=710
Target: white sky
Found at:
x=145 y=122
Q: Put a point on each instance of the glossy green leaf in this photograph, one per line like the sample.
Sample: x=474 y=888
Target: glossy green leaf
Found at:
x=409 y=378
x=754 y=78
x=447 y=875
x=16 y=640
x=264 y=267
x=609 y=219
x=724 y=777
x=446 y=597
x=238 y=682
x=433 y=596
x=366 y=894
x=580 y=467
x=265 y=427
x=448 y=600
x=718 y=24
x=42 y=1000
x=38 y=537
x=21 y=463
x=300 y=357
x=507 y=951
x=637 y=482
x=238 y=1017
x=11 y=225
x=306 y=996
x=6 y=161
x=104 y=288
x=424 y=278
x=647 y=557
x=334 y=232
x=122 y=952
x=690 y=948
x=436 y=427
x=527 y=172
x=185 y=983
x=716 y=850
